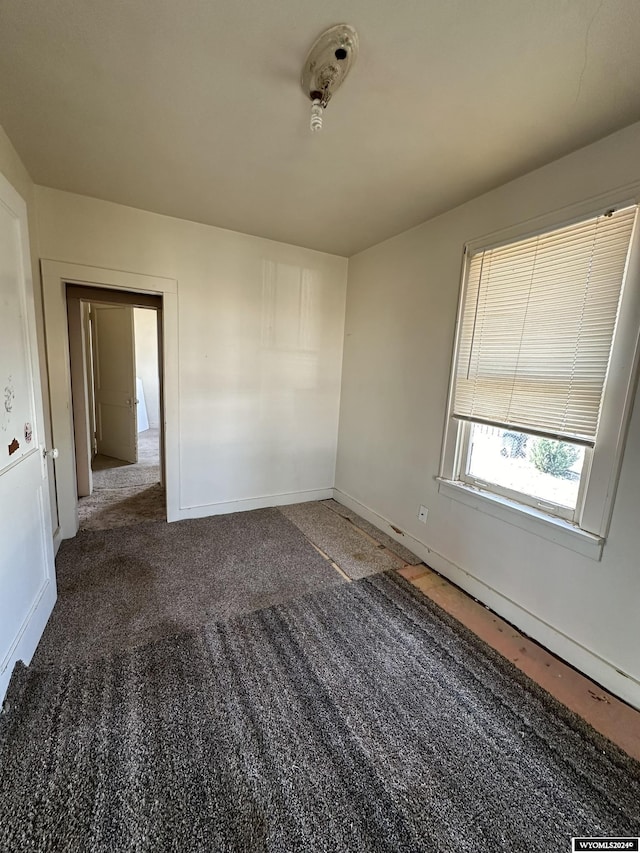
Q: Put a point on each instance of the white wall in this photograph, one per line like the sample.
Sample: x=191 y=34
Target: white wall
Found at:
x=146 y=337
x=260 y=334
x=401 y=311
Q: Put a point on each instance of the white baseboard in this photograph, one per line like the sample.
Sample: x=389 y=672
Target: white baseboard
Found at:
x=57 y=539
x=261 y=502
x=586 y=661
x=414 y=545
x=28 y=638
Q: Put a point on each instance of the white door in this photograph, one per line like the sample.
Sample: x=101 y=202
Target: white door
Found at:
x=27 y=577
x=115 y=381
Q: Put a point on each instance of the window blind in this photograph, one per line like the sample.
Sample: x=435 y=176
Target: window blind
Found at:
x=537 y=327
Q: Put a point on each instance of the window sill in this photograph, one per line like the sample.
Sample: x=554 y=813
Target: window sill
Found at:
x=556 y=530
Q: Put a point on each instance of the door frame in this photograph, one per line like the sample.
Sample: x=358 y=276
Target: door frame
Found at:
x=56 y=277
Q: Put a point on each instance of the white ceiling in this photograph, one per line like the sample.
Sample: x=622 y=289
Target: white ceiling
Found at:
x=193 y=108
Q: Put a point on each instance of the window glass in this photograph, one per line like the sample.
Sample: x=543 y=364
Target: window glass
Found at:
x=541 y=468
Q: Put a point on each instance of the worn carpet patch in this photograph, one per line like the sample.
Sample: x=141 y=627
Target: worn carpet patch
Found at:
x=396 y=548
x=357 y=554
x=128 y=585
x=360 y=718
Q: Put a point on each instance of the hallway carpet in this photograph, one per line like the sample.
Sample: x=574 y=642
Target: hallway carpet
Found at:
x=109 y=473
x=355 y=719
x=125 y=493
x=106 y=509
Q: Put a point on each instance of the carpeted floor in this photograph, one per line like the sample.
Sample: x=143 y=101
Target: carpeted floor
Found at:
x=407 y=556
x=124 y=493
x=356 y=718
x=357 y=554
x=122 y=587
x=107 y=509
x=109 y=473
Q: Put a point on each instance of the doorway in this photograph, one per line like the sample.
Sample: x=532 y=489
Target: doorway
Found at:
x=115 y=350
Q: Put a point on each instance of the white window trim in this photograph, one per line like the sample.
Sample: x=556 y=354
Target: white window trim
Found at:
x=557 y=510
x=525 y=517
x=588 y=534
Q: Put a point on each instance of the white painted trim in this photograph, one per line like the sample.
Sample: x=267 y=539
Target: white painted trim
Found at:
x=557 y=530
x=57 y=540
x=29 y=635
x=619 y=197
x=55 y=275
x=592 y=665
x=262 y=502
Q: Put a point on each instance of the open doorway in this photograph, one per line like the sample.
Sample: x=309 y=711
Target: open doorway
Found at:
x=115 y=351
x=123 y=344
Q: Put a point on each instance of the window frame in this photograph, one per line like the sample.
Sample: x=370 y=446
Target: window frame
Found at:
x=557 y=510
x=588 y=528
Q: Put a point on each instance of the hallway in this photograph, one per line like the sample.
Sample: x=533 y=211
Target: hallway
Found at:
x=125 y=493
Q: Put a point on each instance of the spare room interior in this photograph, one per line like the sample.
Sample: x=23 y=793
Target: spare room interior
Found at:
x=319 y=355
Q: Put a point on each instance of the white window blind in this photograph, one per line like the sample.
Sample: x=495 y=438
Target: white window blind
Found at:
x=537 y=327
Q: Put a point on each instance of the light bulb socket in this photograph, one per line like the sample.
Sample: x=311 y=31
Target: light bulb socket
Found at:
x=317 y=112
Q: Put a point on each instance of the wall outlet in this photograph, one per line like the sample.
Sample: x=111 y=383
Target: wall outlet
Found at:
x=422 y=514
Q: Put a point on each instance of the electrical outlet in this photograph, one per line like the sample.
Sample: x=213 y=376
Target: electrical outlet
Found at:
x=422 y=514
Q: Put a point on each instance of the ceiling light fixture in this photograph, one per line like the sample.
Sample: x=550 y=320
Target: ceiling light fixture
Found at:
x=326 y=66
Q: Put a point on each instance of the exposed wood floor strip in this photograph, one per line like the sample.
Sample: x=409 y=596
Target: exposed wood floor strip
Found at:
x=606 y=713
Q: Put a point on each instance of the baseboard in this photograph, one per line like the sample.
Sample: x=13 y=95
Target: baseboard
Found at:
x=414 y=545
x=586 y=661
x=57 y=539
x=261 y=502
x=29 y=636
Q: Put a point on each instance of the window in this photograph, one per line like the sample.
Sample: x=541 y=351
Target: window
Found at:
x=538 y=471
x=543 y=366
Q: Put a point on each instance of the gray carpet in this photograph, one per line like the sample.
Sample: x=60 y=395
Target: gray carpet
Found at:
x=110 y=473
x=109 y=508
x=354 y=720
x=126 y=586
x=123 y=475
x=357 y=554
x=399 y=550
x=125 y=493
